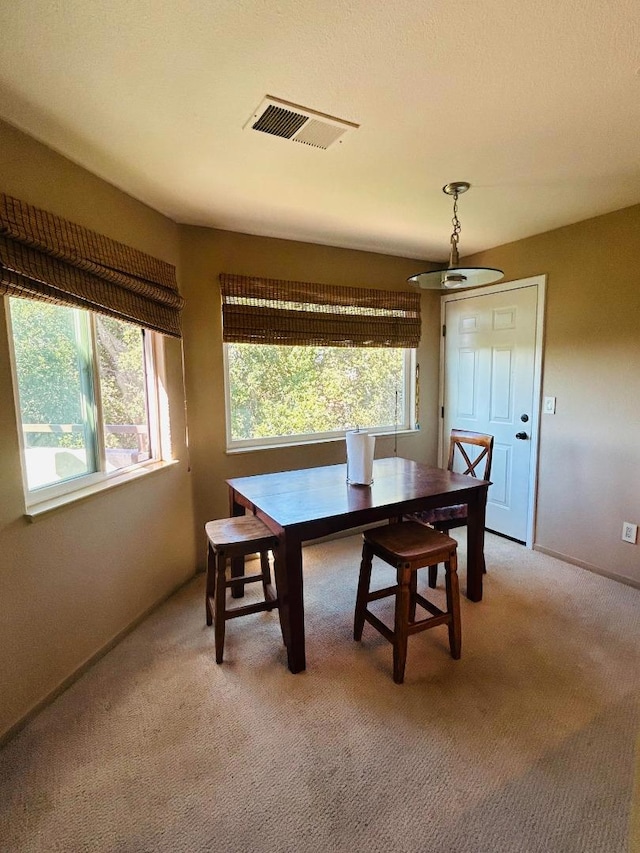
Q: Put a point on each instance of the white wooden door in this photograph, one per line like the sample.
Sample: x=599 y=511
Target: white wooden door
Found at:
x=489 y=387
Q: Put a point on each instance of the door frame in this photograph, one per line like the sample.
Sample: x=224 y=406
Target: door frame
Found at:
x=540 y=283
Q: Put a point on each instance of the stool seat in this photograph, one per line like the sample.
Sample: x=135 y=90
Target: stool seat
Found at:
x=233 y=534
x=408 y=546
x=410 y=542
x=229 y=538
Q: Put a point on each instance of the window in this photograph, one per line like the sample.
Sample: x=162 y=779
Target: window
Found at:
x=312 y=392
x=306 y=361
x=85 y=386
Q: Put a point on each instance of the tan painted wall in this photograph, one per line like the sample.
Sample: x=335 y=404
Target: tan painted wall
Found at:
x=74 y=579
x=205 y=254
x=589 y=472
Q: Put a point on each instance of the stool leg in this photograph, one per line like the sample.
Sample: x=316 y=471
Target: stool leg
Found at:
x=279 y=586
x=433 y=576
x=220 y=605
x=453 y=605
x=401 y=624
x=210 y=590
x=266 y=573
x=413 y=589
x=363 y=591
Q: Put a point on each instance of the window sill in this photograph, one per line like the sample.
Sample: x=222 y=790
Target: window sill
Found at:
x=39 y=510
x=277 y=445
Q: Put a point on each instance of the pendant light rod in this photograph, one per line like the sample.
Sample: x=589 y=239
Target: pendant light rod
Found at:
x=454 y=190
x=454 y=275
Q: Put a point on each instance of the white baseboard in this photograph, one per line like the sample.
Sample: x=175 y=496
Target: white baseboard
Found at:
x=588 y=566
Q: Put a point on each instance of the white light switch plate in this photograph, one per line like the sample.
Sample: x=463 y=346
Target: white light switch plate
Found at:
x=629 y=532
x=549 y=407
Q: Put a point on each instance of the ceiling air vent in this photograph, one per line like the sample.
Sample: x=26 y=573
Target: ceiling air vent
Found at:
x=289 y=121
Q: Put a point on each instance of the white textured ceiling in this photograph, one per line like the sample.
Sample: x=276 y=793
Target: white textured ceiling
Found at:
x=535 y=102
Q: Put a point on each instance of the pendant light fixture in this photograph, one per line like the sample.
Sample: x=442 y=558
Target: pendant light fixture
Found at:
x=455 y=275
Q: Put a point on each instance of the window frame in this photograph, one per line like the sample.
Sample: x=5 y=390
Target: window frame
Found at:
x=407 y=422
x=98 y=479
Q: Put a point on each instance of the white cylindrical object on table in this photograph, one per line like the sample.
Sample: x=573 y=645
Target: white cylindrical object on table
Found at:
x=360 y=447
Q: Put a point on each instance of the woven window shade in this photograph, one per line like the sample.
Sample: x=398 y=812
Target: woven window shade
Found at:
x=270 y=311
x=45 y=257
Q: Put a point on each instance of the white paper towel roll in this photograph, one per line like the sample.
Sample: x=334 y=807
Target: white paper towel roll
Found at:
x=360 y=447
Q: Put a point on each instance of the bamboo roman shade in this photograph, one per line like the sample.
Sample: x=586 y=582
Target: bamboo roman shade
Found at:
x=45 y=257
x=270 y=311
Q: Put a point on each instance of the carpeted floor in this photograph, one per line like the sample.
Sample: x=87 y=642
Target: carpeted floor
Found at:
x=526 y=744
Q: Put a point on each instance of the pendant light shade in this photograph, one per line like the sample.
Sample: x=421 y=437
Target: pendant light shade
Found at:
x=454 y=275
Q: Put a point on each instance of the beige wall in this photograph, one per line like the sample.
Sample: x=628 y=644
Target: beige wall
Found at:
x=205 y=254
x=76 y=578
x=589 y=472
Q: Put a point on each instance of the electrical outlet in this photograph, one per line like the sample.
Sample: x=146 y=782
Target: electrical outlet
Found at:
x=549 y=407
x=629 y=532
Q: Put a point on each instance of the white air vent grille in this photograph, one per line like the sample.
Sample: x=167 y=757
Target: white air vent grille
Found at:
x=299 y=124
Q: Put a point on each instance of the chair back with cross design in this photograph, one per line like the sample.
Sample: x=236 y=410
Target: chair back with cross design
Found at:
x=470 y=453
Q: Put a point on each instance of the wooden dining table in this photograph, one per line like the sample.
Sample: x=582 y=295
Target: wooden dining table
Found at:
x=309 y=503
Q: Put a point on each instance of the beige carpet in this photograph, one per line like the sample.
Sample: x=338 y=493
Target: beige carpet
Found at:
x=526 y=744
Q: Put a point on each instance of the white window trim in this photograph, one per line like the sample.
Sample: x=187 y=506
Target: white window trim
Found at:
x=129 y=475
x=48 y=498
x=408 y=419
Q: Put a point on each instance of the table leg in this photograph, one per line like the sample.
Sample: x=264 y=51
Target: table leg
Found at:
x=288 y=571
x=237 y=563
x=475 y=543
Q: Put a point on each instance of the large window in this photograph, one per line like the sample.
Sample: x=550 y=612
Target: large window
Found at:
x=86 y=396
x=276 y=393
x=307 y=361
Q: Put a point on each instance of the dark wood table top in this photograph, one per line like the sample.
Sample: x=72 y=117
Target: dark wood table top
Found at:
x=303 y=496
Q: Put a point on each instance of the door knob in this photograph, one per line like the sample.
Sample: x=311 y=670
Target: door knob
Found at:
x=522 y=436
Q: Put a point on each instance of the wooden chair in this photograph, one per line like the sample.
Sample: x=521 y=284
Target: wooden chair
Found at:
x=469 y=453
x=408 y=546
x=228 y=538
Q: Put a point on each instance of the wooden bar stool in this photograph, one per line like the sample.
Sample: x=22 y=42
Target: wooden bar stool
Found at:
x=229 y=538
x=408 y=546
